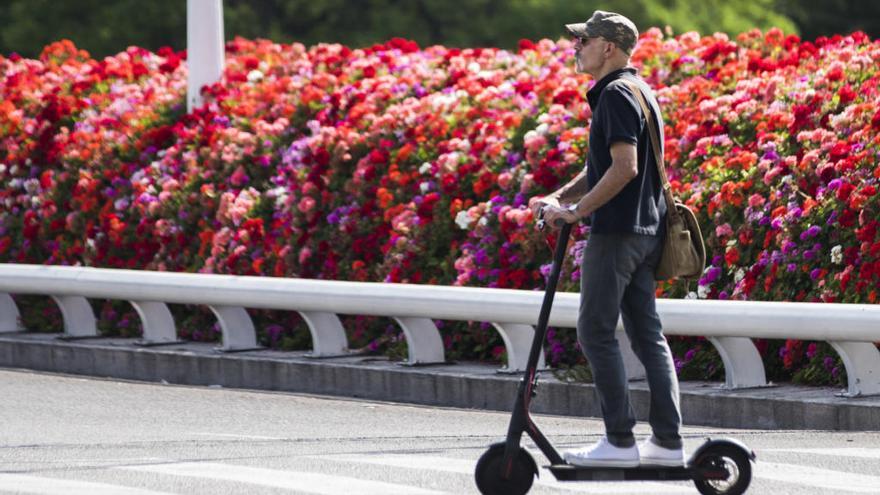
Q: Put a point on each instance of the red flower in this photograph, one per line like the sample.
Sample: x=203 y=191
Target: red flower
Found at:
x=845 y=190
x=525 y=44
x=846 y=94
x=731 y=256
x=836 y=74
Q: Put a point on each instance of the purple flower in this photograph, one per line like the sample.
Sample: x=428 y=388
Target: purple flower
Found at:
x=481 y=258
x=545 y=269
x=831 y=218
x=513 y=158
x=771 y=155
x=712 y=274
x=835 y=184
x=723 y=295
x=811 y=232
x=815 y=273
x=690 y=354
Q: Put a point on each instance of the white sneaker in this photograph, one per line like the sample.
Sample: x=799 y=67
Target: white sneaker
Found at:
x=603 y=454
x=654 y=455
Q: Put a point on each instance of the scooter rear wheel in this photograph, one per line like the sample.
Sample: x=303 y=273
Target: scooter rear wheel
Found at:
x=489 y=472
x=728 y=457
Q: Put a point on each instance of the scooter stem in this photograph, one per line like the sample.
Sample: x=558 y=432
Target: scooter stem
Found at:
x=520 y=421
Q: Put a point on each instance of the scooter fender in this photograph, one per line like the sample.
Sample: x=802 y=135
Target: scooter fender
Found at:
x=715 y=442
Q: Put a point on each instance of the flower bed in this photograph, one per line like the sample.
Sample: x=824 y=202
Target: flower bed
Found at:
x=401 y=163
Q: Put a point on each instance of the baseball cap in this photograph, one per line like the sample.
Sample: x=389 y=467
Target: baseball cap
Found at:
x=609 y=25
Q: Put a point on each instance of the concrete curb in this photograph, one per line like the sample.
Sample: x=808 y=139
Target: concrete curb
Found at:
x=466 y=385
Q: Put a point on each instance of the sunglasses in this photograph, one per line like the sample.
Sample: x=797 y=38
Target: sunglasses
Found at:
x=582 y=41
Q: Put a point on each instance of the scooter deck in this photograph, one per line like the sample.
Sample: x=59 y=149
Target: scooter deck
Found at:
x=569 y=472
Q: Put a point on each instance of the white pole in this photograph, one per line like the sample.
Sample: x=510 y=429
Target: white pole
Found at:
x=205 y=47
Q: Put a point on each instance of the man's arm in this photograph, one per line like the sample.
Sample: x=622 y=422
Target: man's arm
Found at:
x=574 y=190
x=624 y=168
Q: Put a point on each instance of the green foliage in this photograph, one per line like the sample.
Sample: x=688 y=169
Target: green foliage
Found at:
x=105 y=28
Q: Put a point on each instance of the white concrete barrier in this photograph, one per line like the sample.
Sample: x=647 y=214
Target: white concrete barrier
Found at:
x=851 y=329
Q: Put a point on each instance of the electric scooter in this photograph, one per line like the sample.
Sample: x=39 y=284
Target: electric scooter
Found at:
x=718 y=466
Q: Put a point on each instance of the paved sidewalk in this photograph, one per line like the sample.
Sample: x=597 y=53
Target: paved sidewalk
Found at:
x=467 y=385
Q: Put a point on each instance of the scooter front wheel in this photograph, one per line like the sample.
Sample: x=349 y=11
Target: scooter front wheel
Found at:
x=489 y=472
x=731 y=459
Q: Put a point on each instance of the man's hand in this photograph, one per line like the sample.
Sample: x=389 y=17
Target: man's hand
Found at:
x=535 y=204
x=553 y=214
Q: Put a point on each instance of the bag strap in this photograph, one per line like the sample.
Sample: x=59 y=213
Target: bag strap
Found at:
x=655 y=145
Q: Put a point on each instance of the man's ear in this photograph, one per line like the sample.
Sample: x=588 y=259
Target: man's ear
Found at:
x=609 y=49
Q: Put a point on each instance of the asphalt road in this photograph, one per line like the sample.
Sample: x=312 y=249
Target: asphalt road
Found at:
x=64 y=434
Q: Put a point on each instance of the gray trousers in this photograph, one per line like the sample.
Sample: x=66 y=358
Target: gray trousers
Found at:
x=617 y=276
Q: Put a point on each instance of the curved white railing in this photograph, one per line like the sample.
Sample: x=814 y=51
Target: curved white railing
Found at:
x=851 y=329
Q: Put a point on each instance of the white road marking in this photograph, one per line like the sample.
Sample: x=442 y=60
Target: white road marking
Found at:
x=839 y=452
x=318 y=483
x=465 y=466
x=233 y=435
x=817 y=477
x=21 y=483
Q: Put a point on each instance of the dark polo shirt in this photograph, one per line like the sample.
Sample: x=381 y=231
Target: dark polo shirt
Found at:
x=640 y=206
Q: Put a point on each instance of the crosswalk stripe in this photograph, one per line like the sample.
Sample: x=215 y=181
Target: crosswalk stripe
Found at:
x=20 y=483
x=817 y=477
x=465 y=466
x=840 y=452
x=317 y=483
x=232 y=435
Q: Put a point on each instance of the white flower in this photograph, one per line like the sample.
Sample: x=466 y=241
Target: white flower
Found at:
x=31 y=185
x=691 y=295
x=837 y=254
x=463 y=220
x=424 y=186
x=542 y=129
x=425 y=168
x=740 y=274
x=474 y=67
x=2 y=168
x=702 y=291
x=254 y=75
x=483 y=222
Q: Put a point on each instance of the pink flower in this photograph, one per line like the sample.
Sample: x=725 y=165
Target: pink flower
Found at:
x=306 y=204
